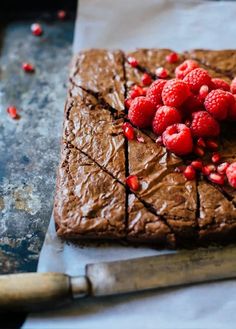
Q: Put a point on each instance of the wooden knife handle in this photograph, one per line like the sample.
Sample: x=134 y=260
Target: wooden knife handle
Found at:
x=38 y=291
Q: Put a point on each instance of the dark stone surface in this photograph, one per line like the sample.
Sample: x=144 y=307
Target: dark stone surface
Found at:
x=29 y=147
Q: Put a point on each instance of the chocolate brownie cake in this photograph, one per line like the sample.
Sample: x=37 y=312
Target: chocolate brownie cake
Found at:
x=93 y=199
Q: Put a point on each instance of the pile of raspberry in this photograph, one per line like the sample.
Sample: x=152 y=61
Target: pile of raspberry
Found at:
x=186 y=114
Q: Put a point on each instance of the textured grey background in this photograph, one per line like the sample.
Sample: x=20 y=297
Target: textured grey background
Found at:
x=29 y=147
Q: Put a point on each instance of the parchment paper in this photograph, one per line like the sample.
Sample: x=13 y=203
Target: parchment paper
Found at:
x=128 y=25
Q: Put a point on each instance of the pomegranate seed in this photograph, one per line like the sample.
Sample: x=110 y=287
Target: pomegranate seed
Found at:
x=132 y=182
x=132 y=61
x=128 y=102
x=215 y=157
x=36 y=29
x=211 y=144
x=146 y=79
x=27 y=67
x=140 y=139
x=197 y=164
x=221 y=169
x=189 y=173
x=201 y=142
x=216 y=178
x=180 y=169
x=137 y=91
x=12 y=111
x=172 y=58
x=199 y=151
x=159 y=140
x=162 y=73
x=61 y=14
x=128 y=131
x=208 y=169
x=204 y=91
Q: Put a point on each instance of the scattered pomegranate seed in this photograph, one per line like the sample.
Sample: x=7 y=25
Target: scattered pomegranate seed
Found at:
x=128 y=102
x=140 y=139
x=199 y=151
x=61 y=14
x=128 y=131
x=172 y=58
x=132 y=61
x=215 y=157
x=197 y=164
x=146 y=79
x=162 y=73
x=132 y=182
x=221 y=169
x=159 y=140
x=36 y=29
x=204 y=91
x=12 y=111
x=201 y=142
x=208 y=169
x=216 y=178
x=27 y=67
x=180 y=169
x=189 y=173
x=211 y=144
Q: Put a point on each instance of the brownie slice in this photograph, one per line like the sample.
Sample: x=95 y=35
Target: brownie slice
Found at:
x=89 y=203
x=172 y=197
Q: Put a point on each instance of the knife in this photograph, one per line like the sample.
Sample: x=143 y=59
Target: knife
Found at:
x=39 y=291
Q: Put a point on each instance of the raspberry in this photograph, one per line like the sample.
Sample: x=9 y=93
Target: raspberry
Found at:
x=162 y=73
x=128 y=131
x=183 y=69
x=132 y=182
x=132 y=61
x=217 y=103
x=231 y=174
x=177 y=138
x=220 y=84
x=146 y=79
x=172 y=58
x=192 y=104
x=233 y=86
x=136 y=91
x=189 y=173
x=197 y=78
x=155 y=90
x=165 y=116
x=141 y=112
x=204 y=125
x=175 y=92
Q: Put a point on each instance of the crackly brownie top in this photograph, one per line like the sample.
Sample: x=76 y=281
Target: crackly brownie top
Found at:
x=156 y=127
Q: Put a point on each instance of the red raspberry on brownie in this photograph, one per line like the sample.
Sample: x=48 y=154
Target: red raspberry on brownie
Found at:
x=218 y=83
x=183 y=69
x=141 y=112
x=155 y=90
x=233 y=86
x=231 y=174
x=218 y=102
x=178 y=139
x=165 y=116
x=172 y=58
x=197 y=78
x=175 y=92
x=204 y=125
